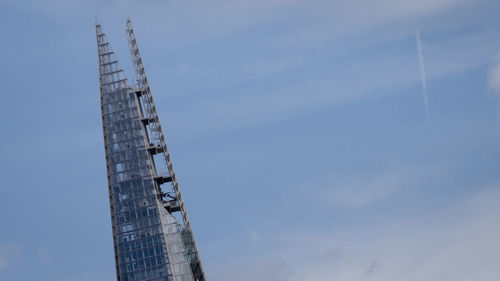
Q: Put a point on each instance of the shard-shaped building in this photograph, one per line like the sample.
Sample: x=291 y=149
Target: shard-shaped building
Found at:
x=151 y=231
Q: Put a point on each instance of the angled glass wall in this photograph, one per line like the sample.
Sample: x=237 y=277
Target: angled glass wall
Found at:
x=152 y=236
x=136 y=219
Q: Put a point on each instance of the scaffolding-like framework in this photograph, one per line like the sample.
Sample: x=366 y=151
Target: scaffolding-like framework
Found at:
x=132 y=127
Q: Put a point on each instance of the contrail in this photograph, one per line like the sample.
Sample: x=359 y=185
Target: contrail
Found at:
x=422 y=74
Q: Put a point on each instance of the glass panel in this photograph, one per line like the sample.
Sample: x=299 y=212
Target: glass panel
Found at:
x=141 y=247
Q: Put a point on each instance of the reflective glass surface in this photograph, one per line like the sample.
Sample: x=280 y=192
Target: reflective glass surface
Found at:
x=141 y=251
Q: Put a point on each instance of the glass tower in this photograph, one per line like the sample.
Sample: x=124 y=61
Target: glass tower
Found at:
x=152 y=235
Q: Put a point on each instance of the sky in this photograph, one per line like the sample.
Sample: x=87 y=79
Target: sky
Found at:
x=312 y=140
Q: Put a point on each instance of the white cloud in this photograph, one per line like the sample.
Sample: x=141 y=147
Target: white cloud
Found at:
x=365 y=189
x=359 y=79
x=253 y=234
x=319 y=19
x=58 y=7
x=54 y=8
x=453 y=243
x=494 y=75
x=10 y=255
x=362 y=192
x=494 y=80
x=265 y=269
x=43 y=255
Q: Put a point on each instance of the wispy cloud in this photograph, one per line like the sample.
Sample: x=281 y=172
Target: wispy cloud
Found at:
x=43 y=255
x=494 y=75
x=494 y=80
x=381 y=73
x=10 y=255
x=320 y=20
x=53 y=8
x=458 y=243
x=363 y=192
x=422 y=75
x=254 y=235
x=366 y=189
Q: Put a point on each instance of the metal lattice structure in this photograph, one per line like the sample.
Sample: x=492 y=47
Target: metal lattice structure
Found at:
x=152 y=235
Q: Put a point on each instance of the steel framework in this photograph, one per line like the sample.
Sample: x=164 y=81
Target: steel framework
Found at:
x=152 y=234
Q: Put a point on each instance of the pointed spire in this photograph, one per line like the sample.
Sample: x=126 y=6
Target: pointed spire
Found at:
x=111 y=76
x=159 y=140
x=140 y=74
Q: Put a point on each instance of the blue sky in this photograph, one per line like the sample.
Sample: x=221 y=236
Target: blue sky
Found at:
x=297 y=131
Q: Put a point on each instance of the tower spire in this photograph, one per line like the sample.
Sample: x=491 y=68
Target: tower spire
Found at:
x=111 y=76
x=151 y=232
x=174 y=204
x=142 y=80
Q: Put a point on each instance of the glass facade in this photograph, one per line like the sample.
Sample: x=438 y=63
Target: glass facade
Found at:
x=136 y=220
x=152 y=237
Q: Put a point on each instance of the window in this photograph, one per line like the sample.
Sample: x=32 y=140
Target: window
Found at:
x=126 y=227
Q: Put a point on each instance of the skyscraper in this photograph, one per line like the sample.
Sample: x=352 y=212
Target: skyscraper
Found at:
x=152 y=235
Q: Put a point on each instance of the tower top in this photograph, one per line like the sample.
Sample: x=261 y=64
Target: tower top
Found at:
x=111 y=76
x=147 y=207
x=140 y=73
